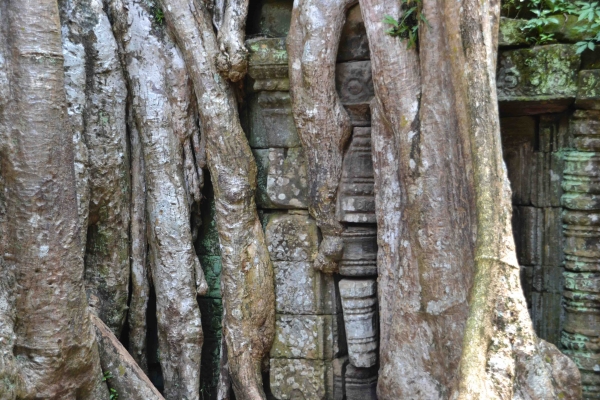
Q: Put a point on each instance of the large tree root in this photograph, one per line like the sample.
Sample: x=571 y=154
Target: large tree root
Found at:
x=502 y=357
x=247 y=272
x=153 y=68
x=101 y=93
x=322 y=122
x=55 y=346
x=120 y=369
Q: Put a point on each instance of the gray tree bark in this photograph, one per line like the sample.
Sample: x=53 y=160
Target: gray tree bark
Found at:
x=161 y=103
x=322 y=122
x=247 y=273
x=55 y=346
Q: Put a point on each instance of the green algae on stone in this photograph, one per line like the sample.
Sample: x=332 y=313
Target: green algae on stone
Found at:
x=588 y=91
x=212 y=272
x=542 y=73
x=511 y=32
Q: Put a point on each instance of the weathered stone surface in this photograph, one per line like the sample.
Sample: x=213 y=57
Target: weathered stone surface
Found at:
x=553 y=134
x=359 y=113
x=527 y=229
x=359 y=302
x=269 y=18
x=360 y=252
x=339 y=366
x=292 y=237
x=300 y=289
x=281 y=178
x=585 y=128
x=581 y=296
x=588 y=90
x=546 y=177
x=356 y=199
x=312 y=337
x=552 y=253
x=267 y=58
x=361 y=383
x=354 y=82
x=126 y=377
x=293 y=379
x=271 y=123
x=510 y=33
x=539 y=79
x=212 y=273
x=546 y=310
x=354 y=44
x=518 y=141
x=212 y=315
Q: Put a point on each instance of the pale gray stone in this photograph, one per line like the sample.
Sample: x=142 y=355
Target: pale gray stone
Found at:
x=360 y=251
x=354 y=82
x=270 y=121
x=312 y=337
x=361 y=383
x=294 y=379
x=359 y=302
x=292 y=237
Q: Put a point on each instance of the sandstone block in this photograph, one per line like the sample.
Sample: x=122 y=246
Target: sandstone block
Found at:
x=361 y=383
x=300 y=289
x=292 y=237
x=270 y=121
x=312 y=337
x=281 y=178
x=585 y=128
x=354 y=82
x=539 y=79
x=354 y=44
x=527 y=229
x=268 y=58
x=208 y=236
x=552 y=252
x=293 y=379
x=270 y=18
x=588 y=90
x=518 y=140
x=211 y=312
x=360 y=252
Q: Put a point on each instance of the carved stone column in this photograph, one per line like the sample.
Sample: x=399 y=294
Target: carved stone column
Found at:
x=581 y=217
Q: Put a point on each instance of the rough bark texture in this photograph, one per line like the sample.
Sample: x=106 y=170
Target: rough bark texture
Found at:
x=121 y=371
x=424 y=213
x=140 y=278
x=55 y=346
x=98 y=87
x=232 y=60
x=247 y=272
x=153 y=65
x=322 y=122
x=502 y=356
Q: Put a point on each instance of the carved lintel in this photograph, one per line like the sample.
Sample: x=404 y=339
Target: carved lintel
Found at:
x=359 y=303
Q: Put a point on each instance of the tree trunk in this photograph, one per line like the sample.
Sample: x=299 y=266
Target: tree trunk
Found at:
x=247 y=272
x=55 y=345
x=322 y=122
x=157 y=82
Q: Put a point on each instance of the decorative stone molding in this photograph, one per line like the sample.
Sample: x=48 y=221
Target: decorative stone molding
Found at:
x=360 y=252
x=359 y=302
x=581 y=217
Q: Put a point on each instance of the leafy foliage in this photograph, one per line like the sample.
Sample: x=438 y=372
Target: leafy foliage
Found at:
x=545 y=14
x=407 y=27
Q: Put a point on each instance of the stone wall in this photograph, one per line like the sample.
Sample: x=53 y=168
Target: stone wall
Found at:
x=326 y=335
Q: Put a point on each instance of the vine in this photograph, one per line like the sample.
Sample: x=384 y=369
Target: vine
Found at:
x=407 y=27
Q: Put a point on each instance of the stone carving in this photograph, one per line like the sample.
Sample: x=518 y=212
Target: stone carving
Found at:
x=356 y=199
x=354 y=45
x=361 y=383
x=354 y=82
x=536 y=80
x=268 y=58
x=581 y=218
x=360 y=251
x=359 y=302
